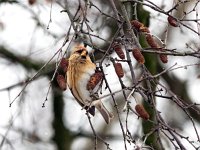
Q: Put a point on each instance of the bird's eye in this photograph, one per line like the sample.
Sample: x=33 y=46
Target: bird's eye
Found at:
x=79 y=51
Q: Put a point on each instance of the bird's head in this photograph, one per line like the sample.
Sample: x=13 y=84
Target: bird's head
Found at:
x=79 y=55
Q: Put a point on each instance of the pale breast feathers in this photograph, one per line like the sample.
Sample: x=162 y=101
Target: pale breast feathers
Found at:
x=78 y=77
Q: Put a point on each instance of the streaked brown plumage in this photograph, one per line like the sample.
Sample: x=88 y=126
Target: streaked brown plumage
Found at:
x=80 y=69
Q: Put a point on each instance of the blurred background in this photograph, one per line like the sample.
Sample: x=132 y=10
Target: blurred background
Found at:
x=35 y=114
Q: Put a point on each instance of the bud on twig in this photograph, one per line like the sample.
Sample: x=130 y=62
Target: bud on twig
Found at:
x=64 y=64
x=141 y=111
x=118 y=50
x=94 y=80
x=172 y=21
x=61 y=82
x=118 y=69
x=138 y=55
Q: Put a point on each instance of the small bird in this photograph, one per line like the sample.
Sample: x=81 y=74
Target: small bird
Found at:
x=80 y=69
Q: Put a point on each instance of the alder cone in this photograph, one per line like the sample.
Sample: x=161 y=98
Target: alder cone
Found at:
x=137 y=24
x=118 y=50
x=163 y=58
x=31 y=2
x=64 y=64
x=94 y=80
x=119 y=70
x=61 y=82
x=141 y=111
x=151 y=41
x=138 y=55
x=172 y=21
x=153 y=44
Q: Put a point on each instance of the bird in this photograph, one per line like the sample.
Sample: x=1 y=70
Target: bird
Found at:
x=80 y=69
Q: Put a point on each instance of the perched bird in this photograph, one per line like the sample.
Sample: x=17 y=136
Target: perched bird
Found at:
x=80 y=69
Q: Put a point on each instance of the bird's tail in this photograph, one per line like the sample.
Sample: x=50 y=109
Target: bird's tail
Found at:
x=104 y=112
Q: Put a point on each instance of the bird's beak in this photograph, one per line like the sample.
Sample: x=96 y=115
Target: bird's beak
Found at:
x=84 y=55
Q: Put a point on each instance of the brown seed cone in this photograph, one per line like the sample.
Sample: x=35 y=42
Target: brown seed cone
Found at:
x=61 y=82
x=64 y=64
x=172 y=21
x=137 y=24
x=163 y=58
x=119 y=70
x=138 y=55
x=94 y=80
x=31 y=2
x=118 y=50
x=151 y=41
x=153 y=44
x=141 y=111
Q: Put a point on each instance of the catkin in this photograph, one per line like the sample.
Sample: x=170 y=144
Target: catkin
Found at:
x=118 y=50
x=94 y=80
x=137 y=24
x=163 y=58
x=138 y=55
x=61 y=82
x=64 y=64
x=119 y=70
x=153 y=44
x=172 y=21
x=141 y=111
x=31 y=2
x=151 y=41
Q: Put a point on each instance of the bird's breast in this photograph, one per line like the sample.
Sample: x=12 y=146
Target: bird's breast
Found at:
x=82 y=84
x=78 y=75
